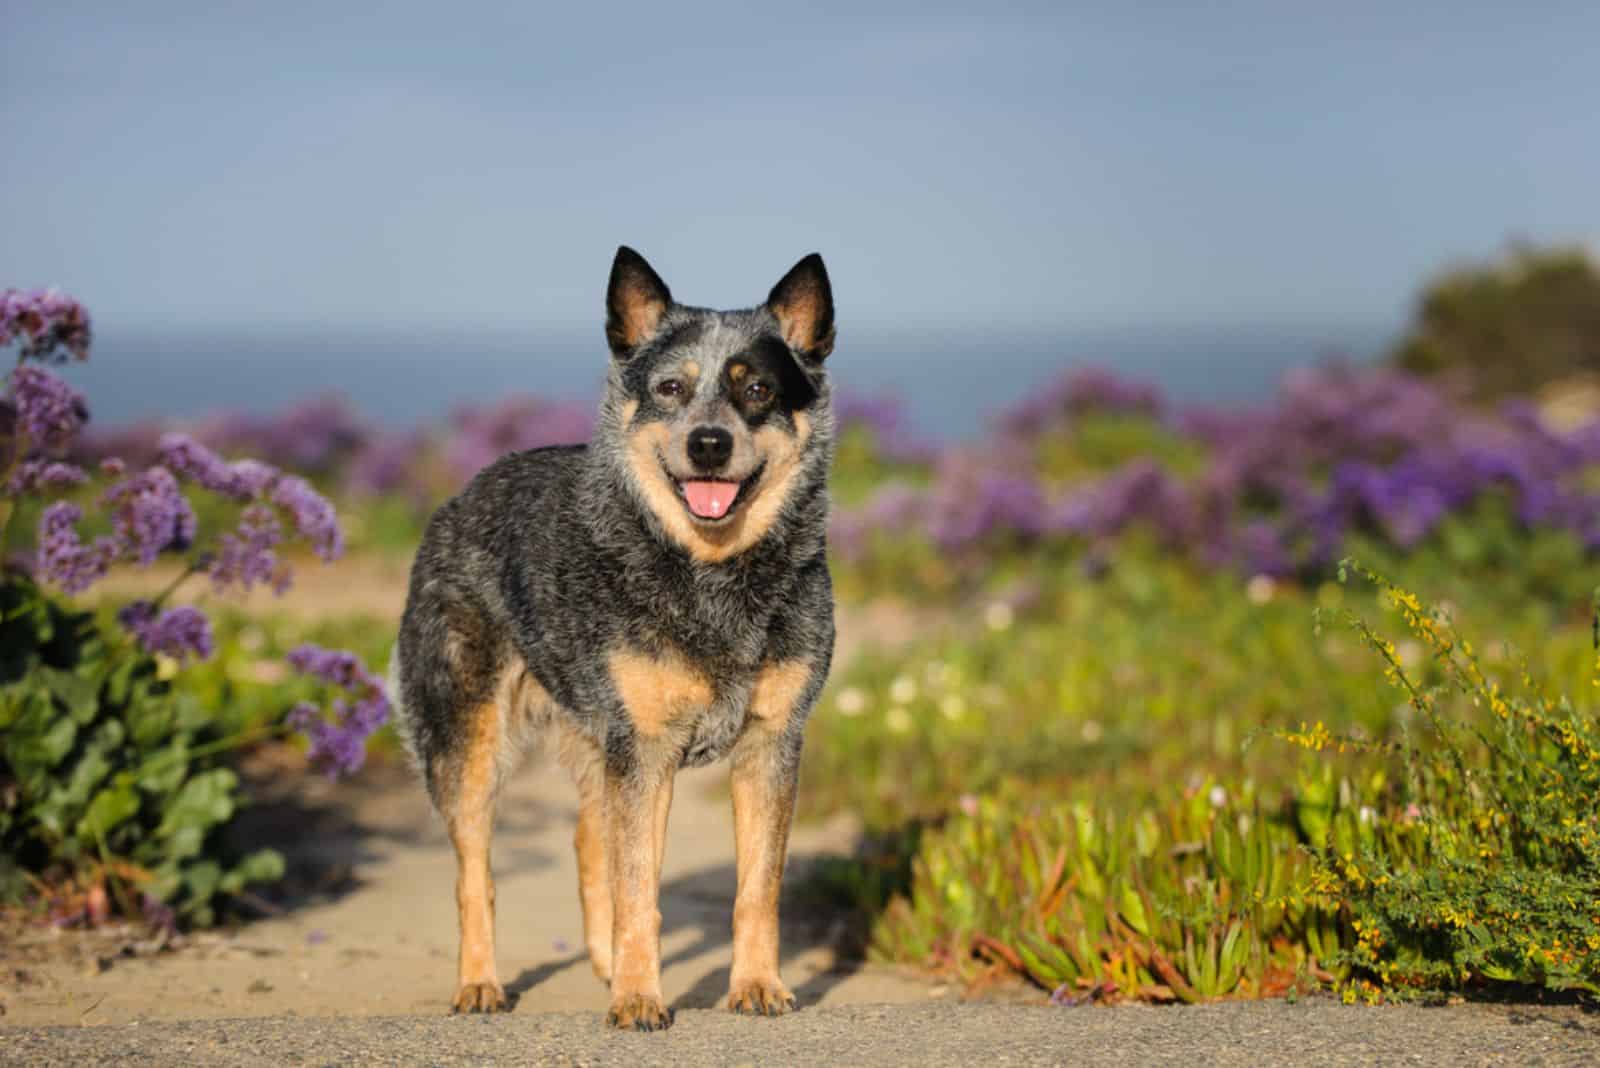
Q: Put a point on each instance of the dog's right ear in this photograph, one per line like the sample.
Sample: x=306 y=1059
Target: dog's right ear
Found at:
x=636 y=299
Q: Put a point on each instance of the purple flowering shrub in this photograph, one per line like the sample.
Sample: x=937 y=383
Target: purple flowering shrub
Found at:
x=110 y=757
x=1341 y=454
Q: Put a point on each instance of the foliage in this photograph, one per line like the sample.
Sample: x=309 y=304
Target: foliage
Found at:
x=1508 y=884
x=110 y=767
x=1101 y=828
x=1531 y=317
x=110 y=772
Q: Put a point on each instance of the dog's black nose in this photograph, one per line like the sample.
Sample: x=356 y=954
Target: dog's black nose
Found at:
x=709 y=447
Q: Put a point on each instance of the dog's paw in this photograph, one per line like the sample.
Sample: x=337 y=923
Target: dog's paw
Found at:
x=479 y=997
x=760 y=997
x=639 y=1012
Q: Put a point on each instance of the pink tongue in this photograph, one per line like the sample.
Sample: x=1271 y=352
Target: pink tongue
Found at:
x=710 y=500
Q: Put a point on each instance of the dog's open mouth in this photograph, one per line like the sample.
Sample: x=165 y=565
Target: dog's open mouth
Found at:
x=712 y=500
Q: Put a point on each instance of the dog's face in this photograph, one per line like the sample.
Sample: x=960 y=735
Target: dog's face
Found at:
x=718 y=410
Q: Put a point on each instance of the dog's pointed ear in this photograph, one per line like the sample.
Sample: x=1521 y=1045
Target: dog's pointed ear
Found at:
x=636 y=300
x=803 y=305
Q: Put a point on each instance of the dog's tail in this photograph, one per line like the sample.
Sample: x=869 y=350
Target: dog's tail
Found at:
x=404 y=725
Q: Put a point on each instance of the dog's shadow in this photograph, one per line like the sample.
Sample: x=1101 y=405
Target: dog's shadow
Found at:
x=702 y=902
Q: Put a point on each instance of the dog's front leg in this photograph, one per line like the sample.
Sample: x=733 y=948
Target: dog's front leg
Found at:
x=766 y=769
x=638 y=799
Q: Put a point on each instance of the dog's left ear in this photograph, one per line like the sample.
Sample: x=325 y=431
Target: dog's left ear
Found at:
x=803 y=305
x=636 y=299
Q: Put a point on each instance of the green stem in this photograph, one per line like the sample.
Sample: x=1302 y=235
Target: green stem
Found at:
x=172 y=587
x=220 y=745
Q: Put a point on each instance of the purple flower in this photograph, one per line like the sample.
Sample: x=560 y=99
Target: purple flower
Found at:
x=483 y=435
x=315 y=435
x=45 y=321
x=314 y=517
x=884 y=419
x=248 y=555
x=387 y=464
x=150 y=515
x=159 y=915
x=192 y=460
x=63 y=558
x=178 y=632
x=48 y=411
x=31 y=476
x=339 y=744
x=1083 y=391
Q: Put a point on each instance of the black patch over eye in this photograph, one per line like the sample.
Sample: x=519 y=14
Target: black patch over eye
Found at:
x=758 y=392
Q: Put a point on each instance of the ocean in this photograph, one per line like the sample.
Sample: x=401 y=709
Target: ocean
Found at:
x=952 y=383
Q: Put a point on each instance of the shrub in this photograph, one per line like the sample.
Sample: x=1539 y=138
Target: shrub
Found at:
x=109 y=768
x=112 y=774
x=1512 y=325
x=1507 y=884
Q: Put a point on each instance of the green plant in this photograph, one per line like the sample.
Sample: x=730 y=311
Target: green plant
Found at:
x=109 y=768
x=1505 y=882
x=1532 y=317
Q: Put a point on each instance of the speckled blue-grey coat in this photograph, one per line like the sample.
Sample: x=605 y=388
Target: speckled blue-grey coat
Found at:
x=657 y=598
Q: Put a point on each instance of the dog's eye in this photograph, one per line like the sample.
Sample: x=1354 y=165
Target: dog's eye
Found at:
x=669 y=387
x=757 y=392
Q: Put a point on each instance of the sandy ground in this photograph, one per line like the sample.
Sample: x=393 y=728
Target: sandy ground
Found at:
x=382 y=941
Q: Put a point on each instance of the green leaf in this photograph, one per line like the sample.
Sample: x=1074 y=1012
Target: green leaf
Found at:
x=204 y=801
x=109 y=808
x=80 y=696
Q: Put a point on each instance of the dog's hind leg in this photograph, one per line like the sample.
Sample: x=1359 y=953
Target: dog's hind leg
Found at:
x=469 y=816
x=765 y=773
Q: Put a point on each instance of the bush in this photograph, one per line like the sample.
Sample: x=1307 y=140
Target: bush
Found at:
x=109 y=768
x=1511 y=326
x=1507 y=884
x=112 y=775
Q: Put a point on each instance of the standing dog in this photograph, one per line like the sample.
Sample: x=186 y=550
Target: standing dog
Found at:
x=656 y=599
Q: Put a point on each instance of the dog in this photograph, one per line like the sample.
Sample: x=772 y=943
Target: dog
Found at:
x=655 y=599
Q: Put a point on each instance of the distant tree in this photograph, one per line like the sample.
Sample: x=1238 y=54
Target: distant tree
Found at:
x=1512 y=325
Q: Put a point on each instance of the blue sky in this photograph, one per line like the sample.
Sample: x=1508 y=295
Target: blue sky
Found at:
x=456 y=165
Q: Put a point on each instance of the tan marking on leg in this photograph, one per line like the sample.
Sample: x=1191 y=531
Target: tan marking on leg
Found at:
x=763 y=806
x=470 y=822
x=584 y=759
x=635 y=807
x=781 y=452
x=656 y=690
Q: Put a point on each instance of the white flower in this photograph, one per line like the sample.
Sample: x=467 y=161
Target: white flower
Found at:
x=851 y=701
x=999 y=616
x=903 y=690
x=953 y=706
x=1260 y=589
x=1092 y=731
x=897 y=719
x=1218 y=797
